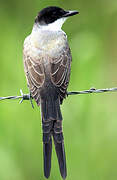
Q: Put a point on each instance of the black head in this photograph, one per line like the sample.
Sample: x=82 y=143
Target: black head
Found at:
x=50 y=14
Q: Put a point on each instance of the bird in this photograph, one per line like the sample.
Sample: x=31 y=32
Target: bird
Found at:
x=47 y=65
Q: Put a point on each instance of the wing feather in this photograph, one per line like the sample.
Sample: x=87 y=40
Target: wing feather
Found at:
x=60 y=71
x=35 y=76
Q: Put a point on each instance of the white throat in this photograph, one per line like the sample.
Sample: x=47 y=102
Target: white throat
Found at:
x=55 y=26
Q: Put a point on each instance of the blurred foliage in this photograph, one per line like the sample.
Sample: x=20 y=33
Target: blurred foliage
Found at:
x=90 y=121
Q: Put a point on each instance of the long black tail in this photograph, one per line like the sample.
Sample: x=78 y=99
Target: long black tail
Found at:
x=52 y=126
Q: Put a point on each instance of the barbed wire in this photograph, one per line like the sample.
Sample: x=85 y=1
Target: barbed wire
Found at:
x=93 y=90
x=90 y=91
x=22 y=97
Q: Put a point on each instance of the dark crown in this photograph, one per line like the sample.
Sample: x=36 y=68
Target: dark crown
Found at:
x=49 y=15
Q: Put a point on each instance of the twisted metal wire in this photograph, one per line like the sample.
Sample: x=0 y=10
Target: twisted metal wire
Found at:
x=22 y=97
x=93 y=90
x=90 y=91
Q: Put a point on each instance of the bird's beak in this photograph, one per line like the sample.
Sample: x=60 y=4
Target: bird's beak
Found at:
x=70 y=13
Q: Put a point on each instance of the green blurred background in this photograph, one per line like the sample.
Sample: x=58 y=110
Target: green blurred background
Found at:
x=90 y=121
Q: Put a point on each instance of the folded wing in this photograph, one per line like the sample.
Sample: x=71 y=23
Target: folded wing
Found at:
x=35 y=76
x=60 y=71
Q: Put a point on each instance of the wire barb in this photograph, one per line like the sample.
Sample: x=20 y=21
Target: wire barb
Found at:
x=22 y=97
x=26 y=97
x=90 y=91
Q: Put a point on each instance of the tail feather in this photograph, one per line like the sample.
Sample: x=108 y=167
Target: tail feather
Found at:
x=50 y=108
x=60 y=151
x=47 y=147
x=59 y=146
x=52 y=125
x=47 y=151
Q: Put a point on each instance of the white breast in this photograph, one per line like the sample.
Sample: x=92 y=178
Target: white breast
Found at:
x=47 y=41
